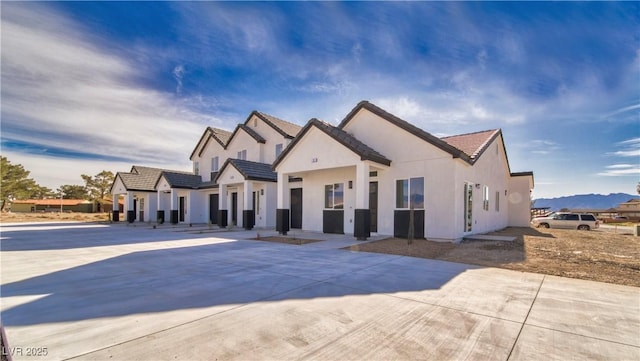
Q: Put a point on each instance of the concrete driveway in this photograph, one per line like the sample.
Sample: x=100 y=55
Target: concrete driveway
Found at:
x=114 y=292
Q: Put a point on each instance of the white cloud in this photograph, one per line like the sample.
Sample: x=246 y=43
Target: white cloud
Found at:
x=60 y=91
x=620 y=166
x=634 y=171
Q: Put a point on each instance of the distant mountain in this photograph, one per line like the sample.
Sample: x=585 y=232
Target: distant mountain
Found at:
x=584 y=201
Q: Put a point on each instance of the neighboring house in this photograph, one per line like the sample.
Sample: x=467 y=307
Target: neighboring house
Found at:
x=630 y=208
x=52 y=205
x=140 y=196
x=369 y=172
x=231 y=183
x=239 y=186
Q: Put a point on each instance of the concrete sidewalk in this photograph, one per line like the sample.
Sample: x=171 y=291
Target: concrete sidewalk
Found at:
x=128 y=293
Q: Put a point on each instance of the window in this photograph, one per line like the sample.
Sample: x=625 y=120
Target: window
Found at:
x=214 y=164
x=572 y=217
x=497 y=201
x=485 y=198
x=334 y=196
x=242 y=154
x=278 y=150
x=468 y=206
x=588 y=217
x=410 y=193
x=196 y=168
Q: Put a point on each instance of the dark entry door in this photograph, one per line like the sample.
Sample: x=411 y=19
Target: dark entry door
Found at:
x=213 y=208
x=296 y=208
x=181 y=209
x=234 y=208
x=373 y=205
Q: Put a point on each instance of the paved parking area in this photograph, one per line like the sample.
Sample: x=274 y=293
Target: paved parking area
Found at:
x=114 y=292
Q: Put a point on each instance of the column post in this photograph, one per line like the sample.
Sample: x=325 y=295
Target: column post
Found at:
x=362 y=224
x=283 y=204
x=173 y=218
x=115 y=211
x=223 y=217
x=160 y=213
x=131 y=214
x=248 y=213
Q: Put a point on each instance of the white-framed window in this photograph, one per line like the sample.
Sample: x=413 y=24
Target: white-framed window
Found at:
x=242 y=154
x=497 y=201
x=196 y=168
x=410 y=193
x=334 y=196
x=215 y=164
x=278 y=149
x=468 y=206
x=485 y=198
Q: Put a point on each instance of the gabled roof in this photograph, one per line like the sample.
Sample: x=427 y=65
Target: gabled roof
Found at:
x=220 y=135
x=181 y=180
x=286 y=129
x=403 y=124
x=252 y=133
x=473 y=144
x=364 y=151
x=250 y=170
x=140 y=178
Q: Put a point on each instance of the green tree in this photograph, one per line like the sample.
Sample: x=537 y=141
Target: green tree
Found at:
x=74 y=191
x=16 y=183
x=98 y=185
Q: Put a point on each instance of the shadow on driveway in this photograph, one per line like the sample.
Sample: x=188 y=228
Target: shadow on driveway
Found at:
x=229 y=273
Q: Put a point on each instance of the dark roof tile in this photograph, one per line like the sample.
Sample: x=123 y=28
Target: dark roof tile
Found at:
x=250 y=170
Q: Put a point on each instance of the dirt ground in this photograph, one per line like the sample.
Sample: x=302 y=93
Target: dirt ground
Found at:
x=590 y=255
x=11 y=217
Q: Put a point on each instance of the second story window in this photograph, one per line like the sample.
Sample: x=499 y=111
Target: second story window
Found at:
x=242 y=154
x=278 y=149
x=214 y=164
x=196 y=168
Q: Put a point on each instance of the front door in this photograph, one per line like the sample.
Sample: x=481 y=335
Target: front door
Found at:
x=234 y=208
x=181 y=203
x=296 y=208
x=213 y=208
x=373 y=205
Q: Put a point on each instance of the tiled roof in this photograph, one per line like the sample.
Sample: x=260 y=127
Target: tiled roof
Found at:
x=473 y=144
x=249 y=131
x=207 y=185
x=220 y=135
x=251 y=170
x=403 y=124
x=140 y=178
x=364 y=151
x=182 y=180
x=287 y=129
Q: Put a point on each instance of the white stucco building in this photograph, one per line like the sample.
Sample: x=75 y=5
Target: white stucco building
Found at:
x=363 y=176
x=374 y=167
x=232 y=181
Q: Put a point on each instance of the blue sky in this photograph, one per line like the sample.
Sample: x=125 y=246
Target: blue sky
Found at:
x=88 y=86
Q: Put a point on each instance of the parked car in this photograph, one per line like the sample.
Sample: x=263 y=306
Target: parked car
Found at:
x=567 y=220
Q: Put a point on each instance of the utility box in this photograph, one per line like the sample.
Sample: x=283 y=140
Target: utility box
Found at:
x=636 y=230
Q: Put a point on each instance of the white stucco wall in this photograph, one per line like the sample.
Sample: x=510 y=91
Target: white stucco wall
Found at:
x=519 y=201
x=243 y=141
x=271 y=136
x=212 y=149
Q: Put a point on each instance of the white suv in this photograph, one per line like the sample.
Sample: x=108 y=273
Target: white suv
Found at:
x=583 y=222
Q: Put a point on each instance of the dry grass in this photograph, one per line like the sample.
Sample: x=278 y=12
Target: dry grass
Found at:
x=11 y=217
x=590 y=255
